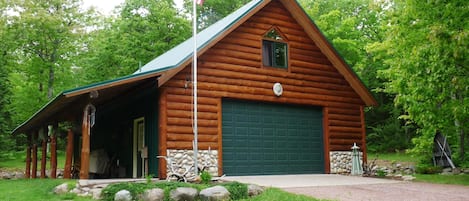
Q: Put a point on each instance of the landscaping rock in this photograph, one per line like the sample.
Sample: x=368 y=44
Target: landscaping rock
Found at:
x=408 y=171
x=254 y=190
x=466 y=171
x=6 y=175
x=456 y=171
x=96 y=193
x=155 y=194
x=61 y=189
x=408 y=178
x=76 y=190
x=183 y=194
x=216 y=193
x=447 y=170
x=19 y=175
x=123 y=195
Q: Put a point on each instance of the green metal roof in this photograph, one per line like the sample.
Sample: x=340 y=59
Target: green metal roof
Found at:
x=184 y=51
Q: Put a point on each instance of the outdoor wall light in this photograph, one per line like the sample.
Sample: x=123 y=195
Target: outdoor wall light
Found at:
x=278 y=89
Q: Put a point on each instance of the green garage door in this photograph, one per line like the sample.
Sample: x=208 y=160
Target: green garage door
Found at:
x=268 y=139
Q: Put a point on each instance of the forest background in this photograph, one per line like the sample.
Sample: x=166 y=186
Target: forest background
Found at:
x=412 y=55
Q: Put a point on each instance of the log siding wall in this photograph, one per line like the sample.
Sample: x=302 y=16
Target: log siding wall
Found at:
x=233 y=69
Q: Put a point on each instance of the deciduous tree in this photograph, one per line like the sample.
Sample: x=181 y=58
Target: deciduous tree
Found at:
x=48 y=38
x=142 y=30
x=426 y=49
x=354 y=27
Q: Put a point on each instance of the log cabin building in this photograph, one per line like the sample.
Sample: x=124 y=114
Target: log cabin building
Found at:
x=274 y=97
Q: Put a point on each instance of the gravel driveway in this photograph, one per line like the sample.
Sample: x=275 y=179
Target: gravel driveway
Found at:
x=408 y=191
x=345 y=188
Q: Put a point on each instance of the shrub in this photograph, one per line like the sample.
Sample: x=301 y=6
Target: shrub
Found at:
x=237 y=190
x=205 y=177
x=427 y=169
x=134 y=189
x=380 y=173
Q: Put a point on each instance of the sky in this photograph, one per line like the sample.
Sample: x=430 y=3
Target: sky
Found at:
x=106 y=6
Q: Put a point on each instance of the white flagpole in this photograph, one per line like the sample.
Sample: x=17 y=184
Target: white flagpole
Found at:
x=194 y=65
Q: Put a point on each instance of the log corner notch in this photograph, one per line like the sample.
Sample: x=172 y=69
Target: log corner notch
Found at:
x=88 y=122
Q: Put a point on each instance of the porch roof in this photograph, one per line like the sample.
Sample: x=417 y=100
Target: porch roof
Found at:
x=69 y=104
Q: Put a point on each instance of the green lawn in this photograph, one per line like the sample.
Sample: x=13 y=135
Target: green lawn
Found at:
x=17 y=160
x=274 y=194
x=396 y=156
x=443 y=179
x=41 y=190
x=34 y=189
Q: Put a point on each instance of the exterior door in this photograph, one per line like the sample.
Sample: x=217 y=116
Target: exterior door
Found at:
x=140 y=150
x=268 y=139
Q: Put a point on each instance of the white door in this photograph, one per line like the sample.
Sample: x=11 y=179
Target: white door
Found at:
x=138 y=145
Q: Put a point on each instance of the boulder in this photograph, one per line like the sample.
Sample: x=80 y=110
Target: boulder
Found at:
x=456 y=171
x=6 y=175
x=155 y=194
x=447 y=170
x=96 y=193
x=19 y=175
x=123 y=195
x=76 y=190
x=61 y=189
x=216 y=193
x=183 y=194
x=408 y=178
x=466 y=171
x=254 y=190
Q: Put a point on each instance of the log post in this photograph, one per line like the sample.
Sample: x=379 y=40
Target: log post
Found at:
x=44 y=153
x=53 y=151
x=326 y=136
x=85 y=145
x=28 y=158
x=162 y=149
x=69 y=155
x=363 y=131
x=34 y=168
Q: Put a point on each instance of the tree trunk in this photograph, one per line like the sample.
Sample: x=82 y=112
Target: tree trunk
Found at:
x=461 y=142
x=50 y=87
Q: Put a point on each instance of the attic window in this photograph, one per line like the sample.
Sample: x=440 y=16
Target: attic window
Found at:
x=274 y=50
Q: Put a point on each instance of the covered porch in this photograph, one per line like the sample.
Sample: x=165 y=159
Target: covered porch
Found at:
x=110 y=130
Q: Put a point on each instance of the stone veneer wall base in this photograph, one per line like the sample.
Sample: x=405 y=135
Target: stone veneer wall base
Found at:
x=185 y=158
x=341 y=161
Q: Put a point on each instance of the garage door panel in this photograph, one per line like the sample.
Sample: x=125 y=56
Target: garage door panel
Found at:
x=276 y=139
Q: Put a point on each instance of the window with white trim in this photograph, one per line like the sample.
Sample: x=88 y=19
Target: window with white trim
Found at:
x=274 y=50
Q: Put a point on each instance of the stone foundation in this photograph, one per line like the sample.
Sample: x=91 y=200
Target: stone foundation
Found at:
x=185 y=158
x=341 y=161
